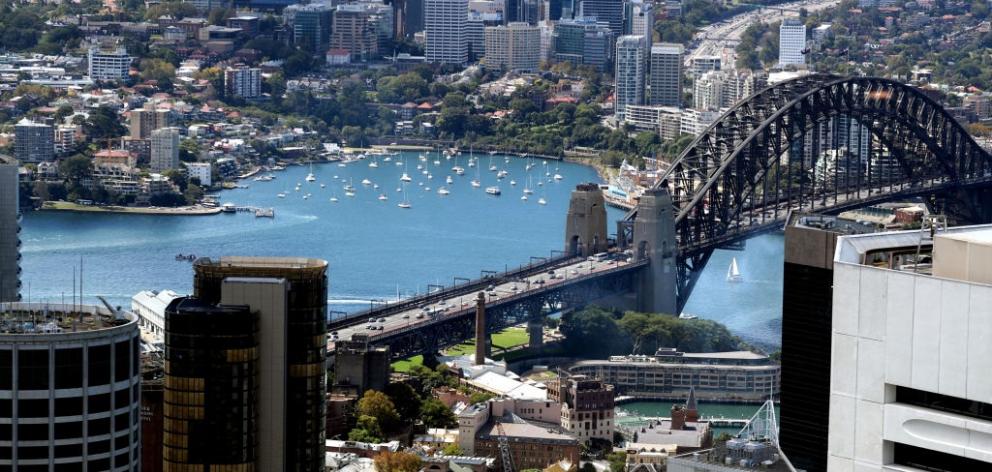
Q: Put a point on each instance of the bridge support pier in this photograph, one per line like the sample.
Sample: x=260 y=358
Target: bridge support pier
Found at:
x=585 y=225
x=965 y=206
x=654 y=239
x=535 y=332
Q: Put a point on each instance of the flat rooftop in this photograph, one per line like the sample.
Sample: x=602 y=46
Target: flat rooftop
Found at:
x=263 y=262
x=53 y=318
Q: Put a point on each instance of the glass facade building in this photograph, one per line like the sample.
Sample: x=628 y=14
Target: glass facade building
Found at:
x=10 y=230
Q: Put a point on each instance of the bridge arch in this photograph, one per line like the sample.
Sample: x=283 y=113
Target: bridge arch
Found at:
x=789 y=148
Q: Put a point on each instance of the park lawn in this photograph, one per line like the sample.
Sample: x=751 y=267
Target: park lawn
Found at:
x=404 y=365
x=508 y=338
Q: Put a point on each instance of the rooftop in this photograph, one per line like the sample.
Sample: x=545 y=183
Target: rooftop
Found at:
x=263 y=262
x=53 y=318
x=519 y=430
x=661 y=432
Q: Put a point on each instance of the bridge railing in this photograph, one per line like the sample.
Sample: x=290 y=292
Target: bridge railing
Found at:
x=450 y=292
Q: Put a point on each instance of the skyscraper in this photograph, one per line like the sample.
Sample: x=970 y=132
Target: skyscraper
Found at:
x=164 y=149
x=34 y=142
x=289 y=297
x=584 y=41
x=609 y=12
x=791 y=42
x=312 y=25
x=445 y=25
x=516 y=46
x=666 y=75
x=10 y=229
x=629 y=73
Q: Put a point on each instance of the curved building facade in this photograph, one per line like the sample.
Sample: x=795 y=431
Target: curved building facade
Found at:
x=69 y=388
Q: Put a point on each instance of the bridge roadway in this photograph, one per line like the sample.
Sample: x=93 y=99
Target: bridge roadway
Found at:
x=501 y=291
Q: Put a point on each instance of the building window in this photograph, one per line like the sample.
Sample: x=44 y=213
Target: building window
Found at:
x=934 y=461
x=936 y=401
x=69 y=368
x=32 y=369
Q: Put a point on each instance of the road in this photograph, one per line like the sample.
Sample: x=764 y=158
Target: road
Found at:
x=457 y=305
x=720 y=39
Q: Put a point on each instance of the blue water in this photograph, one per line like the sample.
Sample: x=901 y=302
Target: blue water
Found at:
x=375 y=249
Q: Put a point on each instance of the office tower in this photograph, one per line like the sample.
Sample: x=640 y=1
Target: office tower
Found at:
x=629 y=73
x=145 y=120
x=109 y=64
x=445 y=25
x=243 y=82
x=528 y=11
x=70 y=384
x=289 y=296
x=807 y=298
x=34 y=142
x=609 y=12
x=475 y=35
x=909 y=382
x=639 y=19
x=353 y=32
x=360 y=366
x=791 y=42
x=516 y=46
x=555 y=9
x=666 y=75
x=583 y=41
x=311 y=25
x=414 y=17
x=164 y=150
x=10 y=229
x=211 y=387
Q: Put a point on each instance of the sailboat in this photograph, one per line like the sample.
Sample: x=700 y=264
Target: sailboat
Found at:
x=527 y=190
x=734 y=272
x=449 y=180
x=405 y=204
x=375 y=163
x=310 y=176
x=557 y=176
x=383 y=197
x=476 y=182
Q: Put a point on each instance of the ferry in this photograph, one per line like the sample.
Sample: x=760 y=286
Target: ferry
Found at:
x=494 y=190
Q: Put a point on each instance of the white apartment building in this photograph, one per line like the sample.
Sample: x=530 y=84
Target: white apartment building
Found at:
x=910 y=383
x=445 y=23
x=164 y=149
x=108 y=64
x=666 y=75
x=243 y=82
x=516 y=46
x=666 y=121
x=200 y=170
x=629 y=85
x=791 y=42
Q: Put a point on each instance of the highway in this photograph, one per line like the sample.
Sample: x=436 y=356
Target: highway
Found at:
x=720 y=39
x=457 y=305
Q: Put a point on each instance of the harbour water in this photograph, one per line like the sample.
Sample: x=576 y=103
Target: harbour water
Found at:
x=376 y=250
x=632 y=414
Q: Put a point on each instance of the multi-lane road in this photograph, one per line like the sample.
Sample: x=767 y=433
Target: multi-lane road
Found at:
x=720 y=39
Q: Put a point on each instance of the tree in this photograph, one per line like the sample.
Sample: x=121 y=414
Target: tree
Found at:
x=479 y=397
x=366 y=430
x=618 y=461
x=435 y=414
x=399 y=461
x=402 y=88
x=158 y=70
x=406 y=400
x=377 y=405
x=593 y=332
x=76 y=168
x=103 y=123
x=452 y=450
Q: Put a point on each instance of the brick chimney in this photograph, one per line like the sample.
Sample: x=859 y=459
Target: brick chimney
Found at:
x=480 y=329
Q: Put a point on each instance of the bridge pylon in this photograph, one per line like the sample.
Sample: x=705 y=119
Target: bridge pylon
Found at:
x=585 y=225
x=654 y=239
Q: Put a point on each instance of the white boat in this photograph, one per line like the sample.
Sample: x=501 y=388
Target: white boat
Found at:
x=430 y=176
x=493 y=168
x=419 y=167
x=405 y=204
x=373 y=164
x=558 y=177
x=424 y=172
x=281 y=194
x=501 y=174
x=341 y=164
x=366 y=182
x=734 y=272
x=427 y=189
x=383 y=197
x=323 y=185
x=349 y=188
x=310 y=176
x=524 y=198
x=334 y=199
x=494 y=190
x=458 y=170
x=306 y=196
x=405 y=177
x=686 y=316
x=542 y=201
x=349 y=194
x=443 y=191
x=449 y=180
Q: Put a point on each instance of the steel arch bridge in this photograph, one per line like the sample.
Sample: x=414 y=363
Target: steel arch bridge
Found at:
x=799 y=146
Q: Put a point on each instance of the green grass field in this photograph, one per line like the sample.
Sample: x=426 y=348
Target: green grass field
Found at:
x=508 y=338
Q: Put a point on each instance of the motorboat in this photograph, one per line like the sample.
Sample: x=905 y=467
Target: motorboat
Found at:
x=405 y=177
x=443 y=191
x=383 y=197
x=494 y=190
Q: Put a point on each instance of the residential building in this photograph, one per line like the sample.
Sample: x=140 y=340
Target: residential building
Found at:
x=721 y=89
x=791 y=43
x=10 y=230
x=165 y=150
x=202 y=171
x=145 y=120
x=359 y=366
x=583 y=41
x=608 y=12
x=703 y=64
x=666 y=121
x=359 y=28
x=665 y=84
x=69 y=387
x=629 y=73
x=289 y=296
x=445 y=25
x=248 y=24
x=586 y=406
x=108 y=64
x=65 y=139
x=516 y=46
x=694 y=121
x=243 y=82
x=807 y=297
x=34 y=142
x=909 y=383
x=311 y=25
x=739 y=376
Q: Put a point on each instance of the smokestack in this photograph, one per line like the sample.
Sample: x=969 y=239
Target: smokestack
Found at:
x=480 y=329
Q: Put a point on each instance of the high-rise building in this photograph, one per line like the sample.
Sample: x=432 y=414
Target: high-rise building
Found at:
x=584 y=41
x=609 y=12
x=639 y=19
x=719 y=89
x=629 y=72
x=164 y=149
x=703 y=64
x=414 y=17
x=70 y=385
x=34 y=142
x=362 y=28
x=665 y=85
x=243 y=82
x=10 y=230
x=586 y=406
x=109 y=64
x=445 y=25
x=807 y=298
x=516 y=46
x=145 y=120
x=311 y=25
x=910 y=354
x=289 y=297
x=791 y=42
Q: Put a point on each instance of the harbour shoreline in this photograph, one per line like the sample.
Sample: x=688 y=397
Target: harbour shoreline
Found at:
x=195 y=210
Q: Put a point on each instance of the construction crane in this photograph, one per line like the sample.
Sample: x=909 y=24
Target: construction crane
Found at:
x=504 y=448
